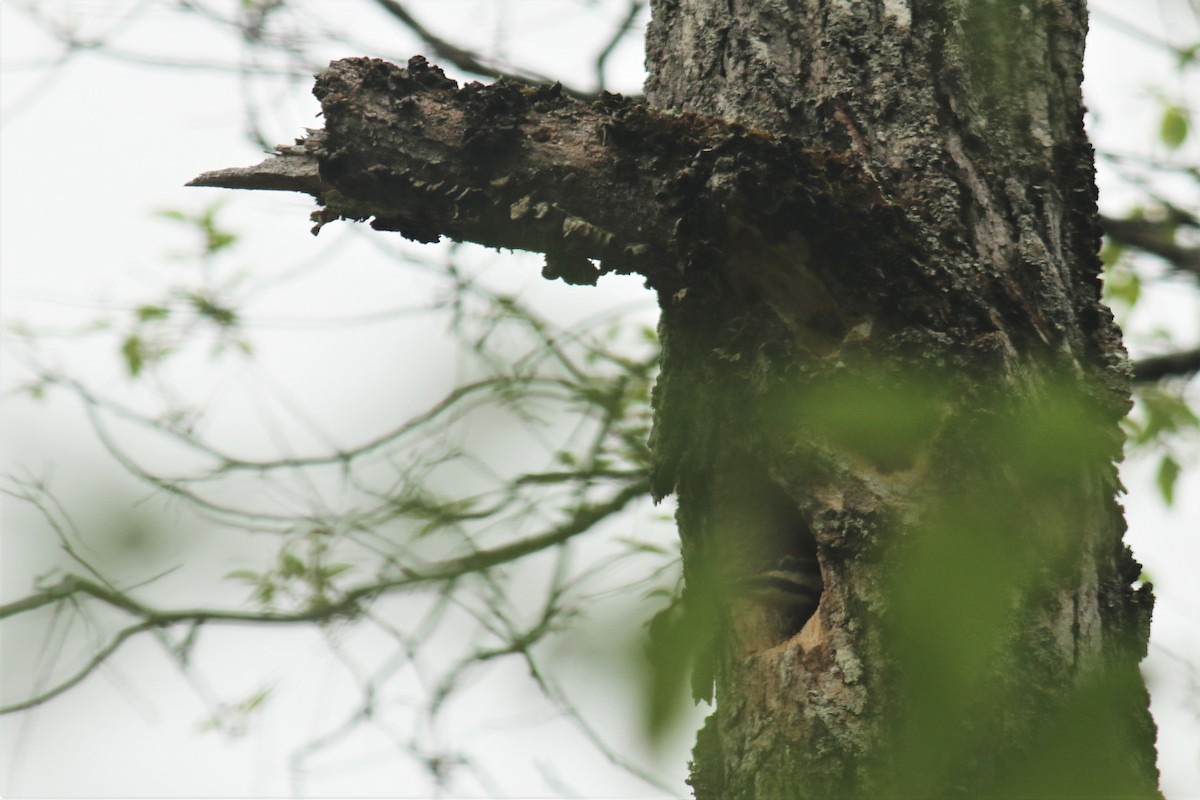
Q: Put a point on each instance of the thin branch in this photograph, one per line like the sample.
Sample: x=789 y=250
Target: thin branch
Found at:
x=1172 y=365
x=72 y=585
x=468 y=60
x=1134 y=32
x=635 y=8
x=1124 y=164
x=96 y=660
x=1155 y=237
x=560 y=700
x=584 y=519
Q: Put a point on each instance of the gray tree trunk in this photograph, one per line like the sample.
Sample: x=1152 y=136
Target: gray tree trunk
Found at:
x=874 y=242
x=927 y=670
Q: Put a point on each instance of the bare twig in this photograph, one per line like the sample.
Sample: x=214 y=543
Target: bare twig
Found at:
x=1155 y=237
x=465 y=59
x=1172 y=365
x=347 y=604
x=621 y=31
x=96 y=660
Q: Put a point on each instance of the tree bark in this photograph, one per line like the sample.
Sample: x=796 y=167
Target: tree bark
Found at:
x=872 y=230
x=971 y=114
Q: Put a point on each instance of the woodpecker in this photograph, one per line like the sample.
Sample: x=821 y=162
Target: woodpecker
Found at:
x=793 y=587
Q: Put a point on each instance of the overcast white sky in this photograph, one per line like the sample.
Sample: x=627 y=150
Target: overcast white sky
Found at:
x=90 y=150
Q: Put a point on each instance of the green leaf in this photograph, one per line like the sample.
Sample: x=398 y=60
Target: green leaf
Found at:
x=1111 y=252
x=642 y=547
x=1165 y=411
x=255 y=700
x=244 y=575
x=265 y=592
x=1173 y=129
x=291 y=566
x=218 y=240
x=1122 y=285
x=135 y=355
x=1187 y=55
x=209 y=307
x=148 y=313
x=1168 y=475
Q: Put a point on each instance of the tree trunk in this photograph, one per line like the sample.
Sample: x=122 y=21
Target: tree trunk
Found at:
x=978 y=632
x=874 y=242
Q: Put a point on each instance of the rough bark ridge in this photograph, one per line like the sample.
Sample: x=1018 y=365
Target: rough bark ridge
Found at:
x=871 y=227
